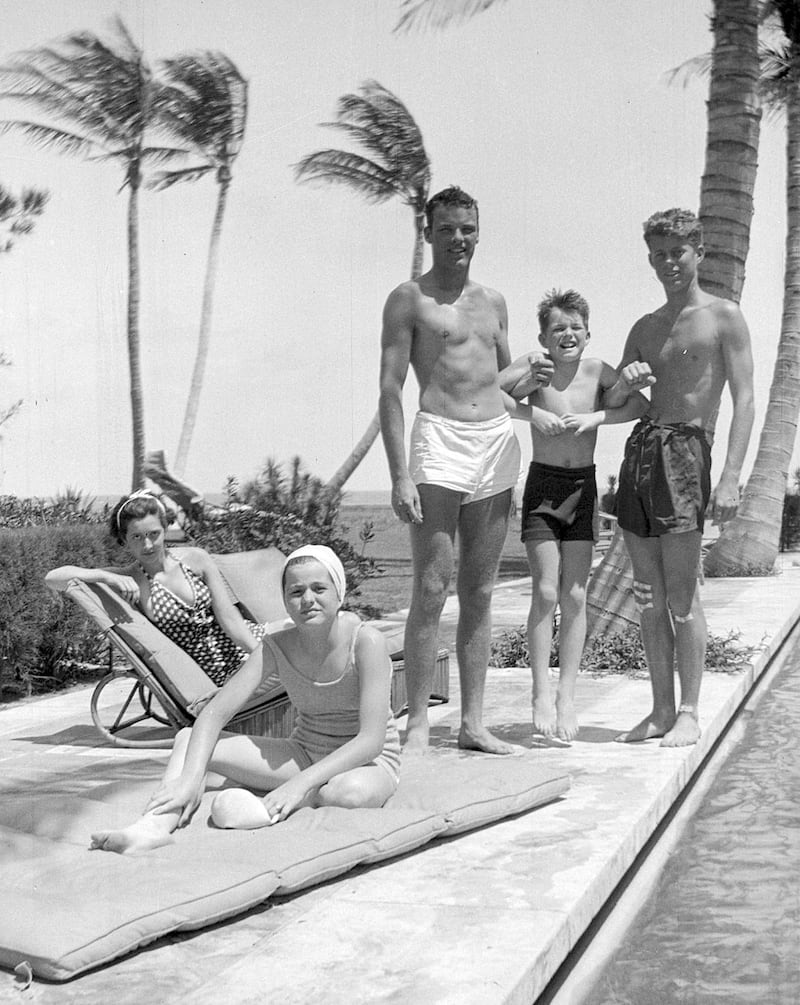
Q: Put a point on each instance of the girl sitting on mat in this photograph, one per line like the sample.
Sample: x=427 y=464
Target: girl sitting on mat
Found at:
x=185 y=597
x=344 y=750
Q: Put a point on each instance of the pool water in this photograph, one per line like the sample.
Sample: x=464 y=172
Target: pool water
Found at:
x=723 y=924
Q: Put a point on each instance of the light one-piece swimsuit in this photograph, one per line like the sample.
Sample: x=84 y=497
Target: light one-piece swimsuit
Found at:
x=195 y=629
x=328 y=711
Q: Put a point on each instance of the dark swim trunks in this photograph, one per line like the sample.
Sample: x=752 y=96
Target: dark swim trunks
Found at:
x=665 y=479
x=559 y=504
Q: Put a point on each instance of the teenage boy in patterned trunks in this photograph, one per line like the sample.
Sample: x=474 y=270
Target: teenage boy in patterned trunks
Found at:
x=559 y=507
x=686 y=352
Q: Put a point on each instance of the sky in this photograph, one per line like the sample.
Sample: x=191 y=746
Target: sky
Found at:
x=555 y=114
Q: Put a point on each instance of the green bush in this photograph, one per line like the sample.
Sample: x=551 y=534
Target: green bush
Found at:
x=45 y=641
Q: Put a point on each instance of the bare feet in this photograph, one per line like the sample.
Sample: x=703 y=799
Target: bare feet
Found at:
x=417 y=737
x=566 y=719
x=684 y=733
x=544 y=716
x=648 y=729
x=482 y=739
x=144 y=835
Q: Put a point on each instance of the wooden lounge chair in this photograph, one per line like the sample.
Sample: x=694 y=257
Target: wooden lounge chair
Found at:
x=161 y=683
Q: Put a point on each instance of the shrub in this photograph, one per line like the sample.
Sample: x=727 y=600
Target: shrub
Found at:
x=284 y=511
x=622 y=653
x=44 y=641
x=68 y=507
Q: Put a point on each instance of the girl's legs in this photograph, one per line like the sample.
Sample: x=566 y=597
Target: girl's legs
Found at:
x=576 y=563
x=255 y=761
x=544 y=561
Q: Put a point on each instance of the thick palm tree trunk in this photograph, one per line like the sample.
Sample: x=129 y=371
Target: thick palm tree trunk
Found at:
x=734 y=118
x=134 y=348
x=362 y=448
x=204 y=335
x=749 y=544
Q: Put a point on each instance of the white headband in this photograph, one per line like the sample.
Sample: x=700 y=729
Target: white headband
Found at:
x=326 y=558
x=139 y=494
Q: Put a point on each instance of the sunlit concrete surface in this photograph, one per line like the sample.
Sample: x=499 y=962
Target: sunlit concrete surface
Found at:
x=482 y=918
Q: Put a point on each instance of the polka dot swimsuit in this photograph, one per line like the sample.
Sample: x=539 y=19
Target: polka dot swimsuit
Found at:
x=195 y=629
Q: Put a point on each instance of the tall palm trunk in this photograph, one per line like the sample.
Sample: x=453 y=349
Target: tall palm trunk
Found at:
x=204 y=335
x=734 y=118
x=749 y=544
x=134 y=348
x=362 y=448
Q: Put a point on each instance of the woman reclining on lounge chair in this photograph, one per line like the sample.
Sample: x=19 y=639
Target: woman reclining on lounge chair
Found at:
x=185 y=597
x=345 y=748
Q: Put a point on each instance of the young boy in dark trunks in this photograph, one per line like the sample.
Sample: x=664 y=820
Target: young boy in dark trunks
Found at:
x=559 y=509
x=686 y=351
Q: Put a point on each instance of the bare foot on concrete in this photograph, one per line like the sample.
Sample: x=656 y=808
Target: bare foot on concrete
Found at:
x=417 y=737
x=566 y=719
x=144 y=835
x=684 y=733
x=544 y=716
x=482 y=739
x=648 y=729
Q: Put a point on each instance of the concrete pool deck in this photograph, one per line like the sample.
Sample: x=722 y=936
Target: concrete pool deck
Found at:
x=487 y=917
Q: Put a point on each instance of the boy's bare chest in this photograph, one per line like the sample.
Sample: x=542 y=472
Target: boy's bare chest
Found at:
x=578 y=393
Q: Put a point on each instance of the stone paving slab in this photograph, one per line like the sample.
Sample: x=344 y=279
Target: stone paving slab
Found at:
x=482 y=918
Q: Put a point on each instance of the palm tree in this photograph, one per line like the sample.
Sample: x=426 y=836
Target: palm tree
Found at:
x=102 y=91
x=20 y=213
x=749 y=544
x=202 y=106
x=383 y=126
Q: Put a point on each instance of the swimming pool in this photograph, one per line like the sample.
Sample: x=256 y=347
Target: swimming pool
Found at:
x=722 y=924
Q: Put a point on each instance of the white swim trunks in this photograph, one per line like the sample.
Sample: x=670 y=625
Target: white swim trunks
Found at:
x=477 y=459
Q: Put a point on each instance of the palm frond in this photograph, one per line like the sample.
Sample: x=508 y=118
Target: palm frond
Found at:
x=156 y=156
x=202 y=102
x=439 y=13
x=378 y=121
x=49 y=136
x=778 y=79
x=364 y=176
x=697 y=66
x=166 y=179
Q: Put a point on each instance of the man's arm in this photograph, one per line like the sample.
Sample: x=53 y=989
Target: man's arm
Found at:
x=634 y=374
x=396 y=340
x=738 y=358
x=526 y=374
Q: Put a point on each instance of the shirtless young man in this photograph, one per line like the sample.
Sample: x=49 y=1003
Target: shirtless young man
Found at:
x=559 y=507
x=464 y=457
x=687 y=350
